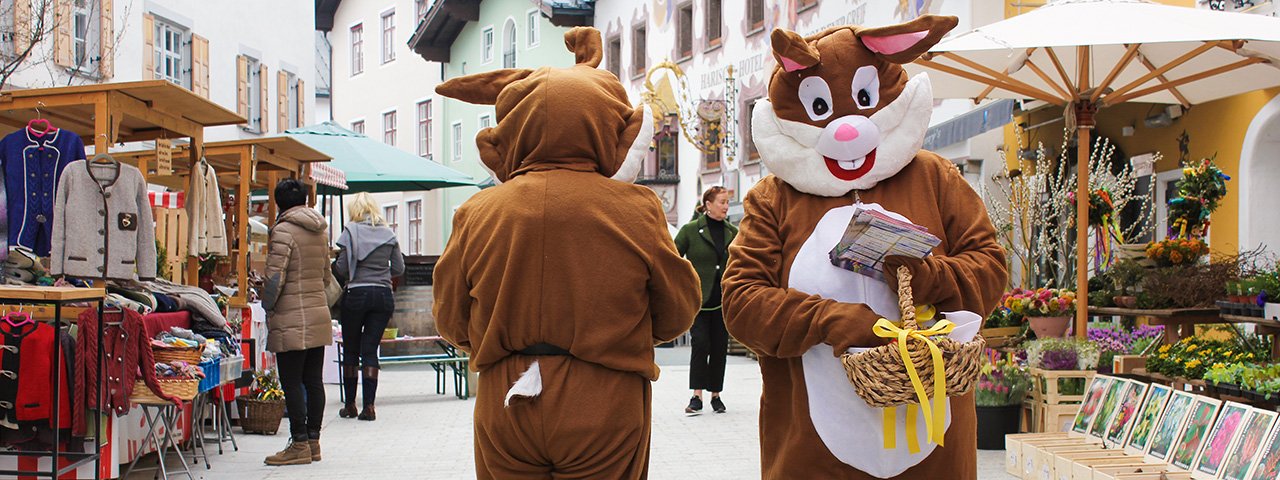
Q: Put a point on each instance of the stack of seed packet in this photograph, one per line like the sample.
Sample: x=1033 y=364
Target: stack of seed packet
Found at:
x=872 y=235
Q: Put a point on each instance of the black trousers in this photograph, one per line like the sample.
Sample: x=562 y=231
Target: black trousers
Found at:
x=365 y=314
x=710 y=348
x=302 y=379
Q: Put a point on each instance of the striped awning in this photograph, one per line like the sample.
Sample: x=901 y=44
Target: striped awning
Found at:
x=168 y=199
x=328 y=176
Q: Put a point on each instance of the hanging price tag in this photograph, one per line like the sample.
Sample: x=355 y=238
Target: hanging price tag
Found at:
x=164 y=157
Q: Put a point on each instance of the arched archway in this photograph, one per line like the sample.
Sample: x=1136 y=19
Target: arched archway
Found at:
x=1259 y=174
x=509 y=44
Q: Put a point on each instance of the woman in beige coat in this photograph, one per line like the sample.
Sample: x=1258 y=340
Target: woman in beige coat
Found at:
x=298 y=320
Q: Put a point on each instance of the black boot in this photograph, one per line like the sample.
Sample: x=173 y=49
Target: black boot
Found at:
x=370 y=393
x=349 y=377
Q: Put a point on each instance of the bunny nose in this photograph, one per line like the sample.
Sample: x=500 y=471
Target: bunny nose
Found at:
x=846 y=133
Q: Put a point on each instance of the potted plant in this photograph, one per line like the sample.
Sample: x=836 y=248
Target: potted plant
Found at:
x=1063 y=354
x=1177 y=251
x=1048 y=310
x=1126 y=277
x=1002 y=385
x=263 y=408
x=1110 y=342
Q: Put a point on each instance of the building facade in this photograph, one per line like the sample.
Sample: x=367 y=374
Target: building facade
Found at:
x=255 y=58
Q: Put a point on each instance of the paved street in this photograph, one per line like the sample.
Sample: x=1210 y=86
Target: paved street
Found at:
x=419 y=434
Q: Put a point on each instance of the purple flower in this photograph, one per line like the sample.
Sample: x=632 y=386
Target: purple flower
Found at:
x=1059 y=360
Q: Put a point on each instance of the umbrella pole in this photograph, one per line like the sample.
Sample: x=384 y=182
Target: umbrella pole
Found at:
x=1084 y=127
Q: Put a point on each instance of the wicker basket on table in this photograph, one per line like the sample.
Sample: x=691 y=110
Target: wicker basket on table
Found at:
x=181 y=388
x=260 y=416
x=171 y=354
x=880 y=376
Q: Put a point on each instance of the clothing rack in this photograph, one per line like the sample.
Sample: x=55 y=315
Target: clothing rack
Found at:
x=58 y=297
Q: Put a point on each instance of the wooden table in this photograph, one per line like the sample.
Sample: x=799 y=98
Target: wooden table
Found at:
x=1178 y=323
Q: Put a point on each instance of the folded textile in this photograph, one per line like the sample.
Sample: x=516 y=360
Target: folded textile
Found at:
x=178 y=370
x=197 y=300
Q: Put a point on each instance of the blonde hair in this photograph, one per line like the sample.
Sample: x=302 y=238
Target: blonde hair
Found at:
x=363 y=209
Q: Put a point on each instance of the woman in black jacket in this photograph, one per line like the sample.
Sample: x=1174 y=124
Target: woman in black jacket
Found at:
x=705 y=242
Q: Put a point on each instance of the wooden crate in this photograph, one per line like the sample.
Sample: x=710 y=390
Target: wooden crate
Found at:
x=1049 y=418
x=1045 y=385
x=999 y=337
x=171 y=232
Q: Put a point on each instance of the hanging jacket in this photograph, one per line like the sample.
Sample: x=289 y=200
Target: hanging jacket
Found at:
x=208 y=232
x=126 y=350
x=104 y=227
x=26 y=376
x=297 y=272
x=33 y=167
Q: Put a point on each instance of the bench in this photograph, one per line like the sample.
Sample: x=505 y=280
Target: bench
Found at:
x=451 y=361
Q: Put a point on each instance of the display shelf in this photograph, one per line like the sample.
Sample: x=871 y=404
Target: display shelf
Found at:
x=50 y=294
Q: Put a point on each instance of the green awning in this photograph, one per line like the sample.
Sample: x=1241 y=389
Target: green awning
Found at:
x=373 y=166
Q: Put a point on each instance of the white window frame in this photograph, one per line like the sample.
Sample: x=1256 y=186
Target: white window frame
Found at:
x=420 y=10
x=391 y=213
x=485 y=121
x=533 y=36
x=389 y=127
x=415 y=226
x=512 y=41
x=90 y=40
x=1161 y=181
x=424 y=119
x=358 y=126
x=291 y=97
x=487 y=45
x=254 y=67
x=456 y=134
x=166 y=32
x=355 y=35
x=388 y=23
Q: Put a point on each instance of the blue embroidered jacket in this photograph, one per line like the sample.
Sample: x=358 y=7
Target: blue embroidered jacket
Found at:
x=32 y=167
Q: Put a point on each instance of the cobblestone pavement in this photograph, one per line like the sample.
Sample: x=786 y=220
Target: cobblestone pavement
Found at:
x=422 y=435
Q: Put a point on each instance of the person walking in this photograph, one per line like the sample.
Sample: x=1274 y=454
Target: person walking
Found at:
x=298 y=320
x=368 y=258
x=705 y=242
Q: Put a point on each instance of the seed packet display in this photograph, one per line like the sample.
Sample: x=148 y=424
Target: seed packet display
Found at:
x=1148 y=416
x=1231 y=420
x=1117 y=392
x=1268 y=465
x=1246 y=449
x=1122 y=422
x=1092 y=402
x=1169 y=426
x=1196 y=431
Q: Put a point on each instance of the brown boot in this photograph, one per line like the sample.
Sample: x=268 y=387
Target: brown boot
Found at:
x=368 y=414
x=349 y=410
x=297 y=453
x=315 y=450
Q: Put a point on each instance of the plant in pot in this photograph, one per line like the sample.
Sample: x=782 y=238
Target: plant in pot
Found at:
x=263 y=408
x=1048 y=310
x=1226 y=377
x=1110 y=342
x=1126 y=277
x=1002 y=385
x=1063 y=354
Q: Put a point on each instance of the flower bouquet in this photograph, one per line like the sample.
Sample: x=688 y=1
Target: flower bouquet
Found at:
x=1177 y=251
x=1048 y=309
x=263 y=408
x=1002 y=386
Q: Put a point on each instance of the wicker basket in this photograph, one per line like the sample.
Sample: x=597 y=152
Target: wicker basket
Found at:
x=170 y=354
x=182 y=389
x=260 y=416
x=880 y=377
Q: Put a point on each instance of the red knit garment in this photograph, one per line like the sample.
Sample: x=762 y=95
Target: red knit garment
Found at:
x=35 y=380
x=127 y=351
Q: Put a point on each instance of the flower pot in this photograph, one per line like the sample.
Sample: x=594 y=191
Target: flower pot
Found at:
x=1229 y=389
x=1125 y=301
x=1050 y=327
x=996 y=422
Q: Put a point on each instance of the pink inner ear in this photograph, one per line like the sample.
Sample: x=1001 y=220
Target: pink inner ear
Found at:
x=791 y=65
x=894 y=43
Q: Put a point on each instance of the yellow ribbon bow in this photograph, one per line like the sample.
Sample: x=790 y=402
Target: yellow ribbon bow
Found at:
x=934 y=415
x=1181 y=223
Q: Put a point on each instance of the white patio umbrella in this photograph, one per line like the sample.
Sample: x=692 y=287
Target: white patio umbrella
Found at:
x=1087 y=54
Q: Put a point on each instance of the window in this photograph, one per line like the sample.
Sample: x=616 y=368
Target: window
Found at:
x=253 y=94
x=509 y=40
x=753 y=154
x=292 y=98
x=170 y=54
x=614 y=62
x=415 y=227
x=486 y=43
x=711 y=160
x=457 y=142
x=661 y=165
x=638 y=57
x=684 y=36
x=388 y=36
x=85 y=33
x=486 y=121
x=419 y=10
x=424 y=128
x=389 y=214
x=755 y=15
x=358 y=126
x=712 y=16
x=389 y=128
x=534 y=32
x=357 y=49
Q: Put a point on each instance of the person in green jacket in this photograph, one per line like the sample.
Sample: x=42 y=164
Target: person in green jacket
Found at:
x=705 y=242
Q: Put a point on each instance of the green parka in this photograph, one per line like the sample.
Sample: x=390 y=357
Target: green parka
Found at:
x=694 y=243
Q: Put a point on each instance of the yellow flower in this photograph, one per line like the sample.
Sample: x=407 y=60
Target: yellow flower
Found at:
x=1191 y=348
x=1219 y=365
x=1193 y=363
x=1164 y=349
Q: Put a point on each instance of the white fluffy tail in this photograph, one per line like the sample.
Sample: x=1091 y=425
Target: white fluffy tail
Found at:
x=528 y=385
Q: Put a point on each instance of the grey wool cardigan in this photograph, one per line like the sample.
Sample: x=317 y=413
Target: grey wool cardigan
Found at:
x=102 y=225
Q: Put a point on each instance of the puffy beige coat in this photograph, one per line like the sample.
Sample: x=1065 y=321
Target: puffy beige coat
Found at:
x=297 y=272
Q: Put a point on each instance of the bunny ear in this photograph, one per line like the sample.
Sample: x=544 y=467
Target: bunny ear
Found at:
x=904 y=42
x=791 y=51
x=481 y=88
x=585 y=44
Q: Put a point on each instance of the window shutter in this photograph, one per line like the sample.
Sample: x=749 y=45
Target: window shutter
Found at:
x=62 y=40
x=148 y=47
x=302 y=103
x=242 y=86
x=106 y=40
x=282 y=101
x=264 y=101
x=21 y=26
x=200 y=65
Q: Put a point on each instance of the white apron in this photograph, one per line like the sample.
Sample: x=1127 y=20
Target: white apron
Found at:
x=852 y=430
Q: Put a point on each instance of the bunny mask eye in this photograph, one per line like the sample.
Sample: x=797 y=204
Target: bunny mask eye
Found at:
x=815 y=95
x=866 y=87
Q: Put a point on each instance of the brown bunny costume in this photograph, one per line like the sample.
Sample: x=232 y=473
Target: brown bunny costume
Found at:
x=842 y=128
x=562 y=279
